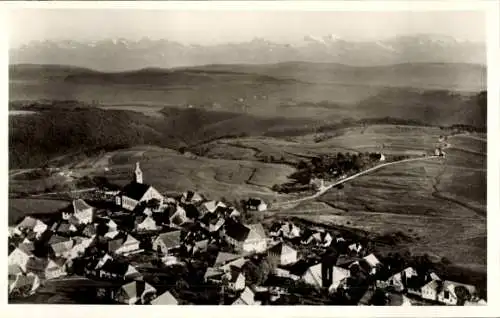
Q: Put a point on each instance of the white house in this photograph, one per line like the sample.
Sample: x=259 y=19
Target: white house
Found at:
x=430 y=290
x=447 y=294
x=130 y=245
x=372 y=262
x=251 y=238
x=247 y=298
x=166 y=242
x=191 y=197
x=20 y=256
x=149 y=224
x=31 y=224
x=136 y=292
x=397 y=280
x=136 y=191
x=165 y=299
x=83 y=212
x=256 y=205
x=339 y=275
x=282 y=254
x=55 y=268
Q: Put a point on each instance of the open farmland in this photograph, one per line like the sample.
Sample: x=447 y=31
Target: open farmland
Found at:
x=440 y=204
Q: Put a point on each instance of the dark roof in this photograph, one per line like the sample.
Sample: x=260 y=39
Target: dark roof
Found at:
x=299 y=268
x=135 y=190
x=237 y=230
x=63 y=227
x=113 y=266
x=115 y=244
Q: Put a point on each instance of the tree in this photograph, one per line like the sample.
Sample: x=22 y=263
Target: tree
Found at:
x=463 y=295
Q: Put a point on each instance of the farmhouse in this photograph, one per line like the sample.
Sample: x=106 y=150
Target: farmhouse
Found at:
x=166 y=242
x=129 y=245
x=136 y=191
x=60 y=246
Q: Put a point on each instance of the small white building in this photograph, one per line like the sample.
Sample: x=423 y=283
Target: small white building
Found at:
x=20 y=256
x=130 y=245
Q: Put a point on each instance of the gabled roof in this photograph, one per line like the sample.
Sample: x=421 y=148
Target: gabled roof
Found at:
x=116 y=267
x=14 y=269
x=258 y=230
x=237 y=231
x=214 y=273
x=448 y=284
x=170 y=239
x=234 y=273
x=62 y=247
x=115 y=244
x=54 y=239
x=223 y=258
x=281 y=248
x=26 y=248
x=28 y=223
x=137 y=288
x=247 y=297
x=80 y=205
x=135 y=190
x=237 y=263
x=371 y=260
x=165 y=299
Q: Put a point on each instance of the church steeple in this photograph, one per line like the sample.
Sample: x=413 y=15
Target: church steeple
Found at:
x=138 y=173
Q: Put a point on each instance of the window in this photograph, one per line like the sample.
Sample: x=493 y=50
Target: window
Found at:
x=447 y=295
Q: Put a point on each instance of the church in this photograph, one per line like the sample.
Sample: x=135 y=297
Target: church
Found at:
x=136 y=191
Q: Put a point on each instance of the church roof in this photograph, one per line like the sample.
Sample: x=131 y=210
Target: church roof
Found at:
x=135 y=190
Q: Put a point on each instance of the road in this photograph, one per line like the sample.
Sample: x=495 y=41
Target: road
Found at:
x=354 y=176
x=61 y=192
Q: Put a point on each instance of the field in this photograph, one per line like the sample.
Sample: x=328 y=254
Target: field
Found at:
x=18 y=208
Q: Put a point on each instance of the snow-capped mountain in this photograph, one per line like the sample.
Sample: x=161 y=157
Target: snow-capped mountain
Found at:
x=122 y=54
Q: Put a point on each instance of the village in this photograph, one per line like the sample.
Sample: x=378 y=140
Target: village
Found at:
x=142 y=247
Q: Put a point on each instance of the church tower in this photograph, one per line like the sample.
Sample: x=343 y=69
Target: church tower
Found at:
x=138 y=173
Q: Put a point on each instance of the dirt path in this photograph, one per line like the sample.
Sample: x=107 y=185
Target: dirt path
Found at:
x=354 y=176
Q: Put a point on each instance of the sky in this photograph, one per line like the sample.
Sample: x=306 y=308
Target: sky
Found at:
x=212 y=27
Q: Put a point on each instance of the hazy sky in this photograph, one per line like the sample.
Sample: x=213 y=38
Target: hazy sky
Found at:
x=208 y=27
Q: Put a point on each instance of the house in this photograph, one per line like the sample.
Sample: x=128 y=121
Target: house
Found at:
x=60 y=246
x=211 y=206
x=20 y=256
x=235 y=278
x=149 y=224
x=399 y=280
x=289 y=230
x=224 y=258
x=30 y=224
x=24 y=284
x=320 y=238
x=355 y=248
x=113 y=269
x=430 y=290
x=191 y=197
x=130 y=245
x=47 y=268
x=165 y=243
x=251 y=238
x=284 y=273
x=64 y=228
x=89 y=230
x=255 y=204
x=447 y=292
x=282 y=254
x=339 y=276
x=79 y=247
x=179 y=217
x=213 y=275
x=112 y=234
x=83 y=212
x=136 y=191
x=136 y=292
x=247 y=298
x=370 y=263
x=199 y=246
x=165 y=299
x=314 y=275
x=238 y=263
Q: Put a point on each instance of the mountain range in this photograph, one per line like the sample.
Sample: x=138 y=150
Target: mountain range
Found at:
x=122 y=54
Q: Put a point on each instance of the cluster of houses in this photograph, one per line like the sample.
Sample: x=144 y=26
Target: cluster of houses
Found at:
x=102 y=245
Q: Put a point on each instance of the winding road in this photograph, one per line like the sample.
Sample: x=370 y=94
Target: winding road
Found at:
x=277 y=205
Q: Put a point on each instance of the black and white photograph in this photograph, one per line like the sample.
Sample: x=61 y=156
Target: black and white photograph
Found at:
x=247 y=157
